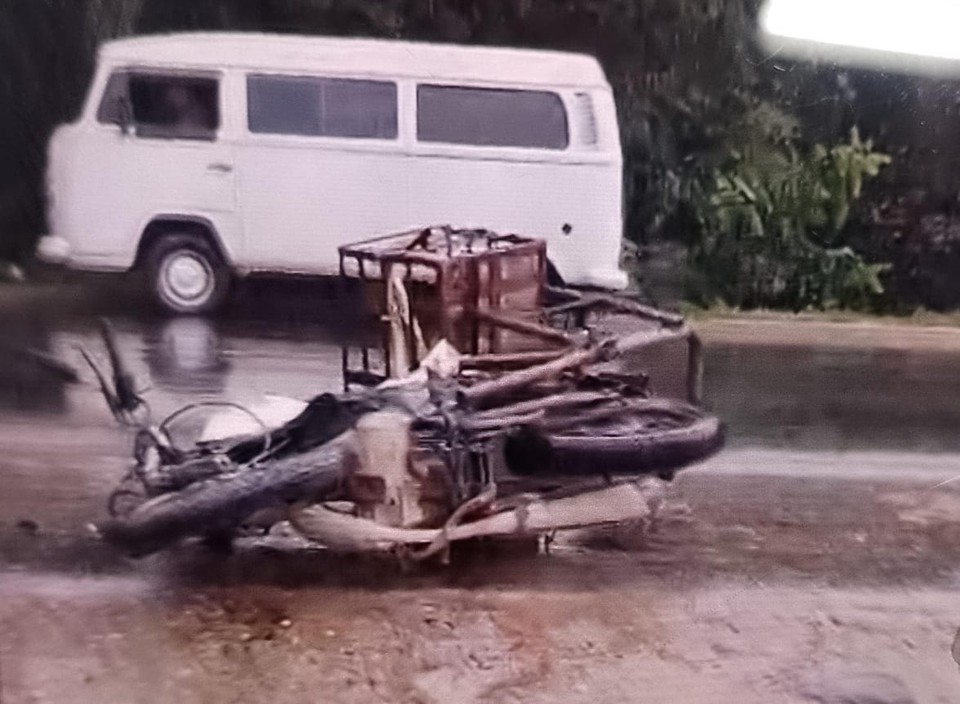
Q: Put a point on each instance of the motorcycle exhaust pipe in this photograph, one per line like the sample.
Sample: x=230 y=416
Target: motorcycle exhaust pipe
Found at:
x=616 y=504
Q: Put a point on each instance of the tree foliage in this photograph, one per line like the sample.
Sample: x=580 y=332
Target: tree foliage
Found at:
x=772 y=227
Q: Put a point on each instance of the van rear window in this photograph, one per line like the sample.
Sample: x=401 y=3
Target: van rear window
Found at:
x=491 y=117
x=324 y=107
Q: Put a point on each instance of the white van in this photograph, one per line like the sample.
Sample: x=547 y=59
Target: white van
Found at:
x=202 y=156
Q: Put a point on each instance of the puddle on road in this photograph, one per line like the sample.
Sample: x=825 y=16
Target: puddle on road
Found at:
x=779 y=396
x=835 y=399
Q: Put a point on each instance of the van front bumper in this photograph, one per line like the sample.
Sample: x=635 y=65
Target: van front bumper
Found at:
x=53 y=250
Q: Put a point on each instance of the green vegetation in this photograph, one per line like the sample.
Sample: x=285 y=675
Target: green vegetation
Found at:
x=770 y=228
x=919 y=318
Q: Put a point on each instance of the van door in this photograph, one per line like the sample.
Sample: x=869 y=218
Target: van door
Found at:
x=156 y=149
x=321 y=165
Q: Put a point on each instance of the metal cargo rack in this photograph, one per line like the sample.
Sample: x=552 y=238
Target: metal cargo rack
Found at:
x=486 y=294
x=481 y=291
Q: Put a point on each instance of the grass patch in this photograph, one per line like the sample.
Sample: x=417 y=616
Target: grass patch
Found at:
x=919 y=317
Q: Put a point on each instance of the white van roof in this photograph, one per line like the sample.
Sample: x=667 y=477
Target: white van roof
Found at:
x=445 y=62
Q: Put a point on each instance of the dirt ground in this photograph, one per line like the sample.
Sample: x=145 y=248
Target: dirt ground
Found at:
x=747 y=588
x=771 y=574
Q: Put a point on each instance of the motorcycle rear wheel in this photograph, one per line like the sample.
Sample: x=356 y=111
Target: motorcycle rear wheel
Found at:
x=651 y=436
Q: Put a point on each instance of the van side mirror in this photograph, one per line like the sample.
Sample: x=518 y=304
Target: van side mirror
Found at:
x=123 y=115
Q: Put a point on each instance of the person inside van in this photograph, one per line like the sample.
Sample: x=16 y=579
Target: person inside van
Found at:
x=171 y=107
x=189 y=117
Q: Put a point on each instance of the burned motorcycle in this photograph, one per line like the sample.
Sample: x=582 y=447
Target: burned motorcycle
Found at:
x=469 y=431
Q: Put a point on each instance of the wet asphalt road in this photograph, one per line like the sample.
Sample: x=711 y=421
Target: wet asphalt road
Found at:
x=823 y=541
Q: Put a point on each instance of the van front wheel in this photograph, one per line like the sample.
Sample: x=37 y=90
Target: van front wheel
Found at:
x=187 y=275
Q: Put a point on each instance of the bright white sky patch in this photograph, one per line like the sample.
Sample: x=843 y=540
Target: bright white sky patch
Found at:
x=928 y=28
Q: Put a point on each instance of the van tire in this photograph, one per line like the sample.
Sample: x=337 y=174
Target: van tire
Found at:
x=187 y=276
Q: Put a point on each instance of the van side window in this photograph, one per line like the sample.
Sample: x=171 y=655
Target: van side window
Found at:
x=589 y=133
x=322 y=107
x=491 y=117
x=163 y=107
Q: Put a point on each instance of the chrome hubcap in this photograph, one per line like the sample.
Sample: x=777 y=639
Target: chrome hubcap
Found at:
x=187 y=278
